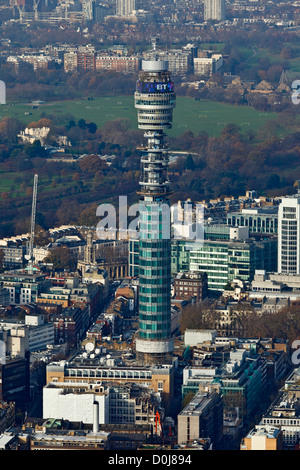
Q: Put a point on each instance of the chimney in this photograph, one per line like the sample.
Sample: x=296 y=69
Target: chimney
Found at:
x=96 y=417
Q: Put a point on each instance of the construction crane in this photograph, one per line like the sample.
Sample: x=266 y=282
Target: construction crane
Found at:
x=157 y=420
x=29 y=255
x=20 y=4
x=35 y=9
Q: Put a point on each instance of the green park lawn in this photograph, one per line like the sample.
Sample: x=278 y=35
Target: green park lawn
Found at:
x=189 y=114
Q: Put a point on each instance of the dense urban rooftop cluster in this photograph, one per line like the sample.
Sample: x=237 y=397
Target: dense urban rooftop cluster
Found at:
x=134 y=340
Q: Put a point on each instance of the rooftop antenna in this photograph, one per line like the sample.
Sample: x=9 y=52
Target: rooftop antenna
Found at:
x=29 y=255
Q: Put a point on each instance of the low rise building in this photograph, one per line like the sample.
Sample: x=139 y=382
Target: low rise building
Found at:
x=7 y=415
x=69 y=325
x=69 y=440
x=284 y=412
x=24 y=287
x=14 y=256
x=119 y=368
x=191 y=285
x=273 y=285
x=263 y=437
x=207 y=66
x=260 y=220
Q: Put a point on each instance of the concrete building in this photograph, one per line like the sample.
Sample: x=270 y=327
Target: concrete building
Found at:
x=76 y=403
x=180 y=60
x=201 y=418
x=40 y=333
x=272 y=285
x=101 y=404
x=289 y=235
x=125 y=7
x=14 y=257
x=32 y=334
x=206 y=66
x=263 y=437
x=214 y=10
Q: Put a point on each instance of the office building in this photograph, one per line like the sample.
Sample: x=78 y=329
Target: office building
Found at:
x=239 y=375
x=224 y=255
x=154 y=100
x=15 y=380
x=201 y=418
x=289 y=235
x=214 y=10
x=259 y=220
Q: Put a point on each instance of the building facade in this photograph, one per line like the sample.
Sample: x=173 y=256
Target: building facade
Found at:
x=191 y=284
x=125 y=7
x=289 y=235
x=201 y=418
x=214 y=10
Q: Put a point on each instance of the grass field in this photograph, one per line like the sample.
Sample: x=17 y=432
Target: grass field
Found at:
x=189 y=114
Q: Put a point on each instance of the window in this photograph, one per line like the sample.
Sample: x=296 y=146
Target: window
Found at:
x=160 y=386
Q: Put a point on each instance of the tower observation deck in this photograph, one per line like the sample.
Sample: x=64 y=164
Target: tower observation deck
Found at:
x=154 y=101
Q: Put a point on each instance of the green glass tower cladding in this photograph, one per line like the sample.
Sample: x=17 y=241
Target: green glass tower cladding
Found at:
x=154 y=100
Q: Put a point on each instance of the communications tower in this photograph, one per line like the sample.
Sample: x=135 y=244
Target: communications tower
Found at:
x=154 y=101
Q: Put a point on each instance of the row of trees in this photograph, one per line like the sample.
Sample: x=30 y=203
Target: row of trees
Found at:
x=245 y=322
x=217 y=166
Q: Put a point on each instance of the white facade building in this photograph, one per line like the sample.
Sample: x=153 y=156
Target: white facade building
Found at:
x=289 y=235
x=75 y=403
x=125 y=7
x=214 y=10
x=208 y=65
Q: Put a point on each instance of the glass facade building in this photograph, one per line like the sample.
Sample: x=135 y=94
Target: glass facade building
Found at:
x=154 y=100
